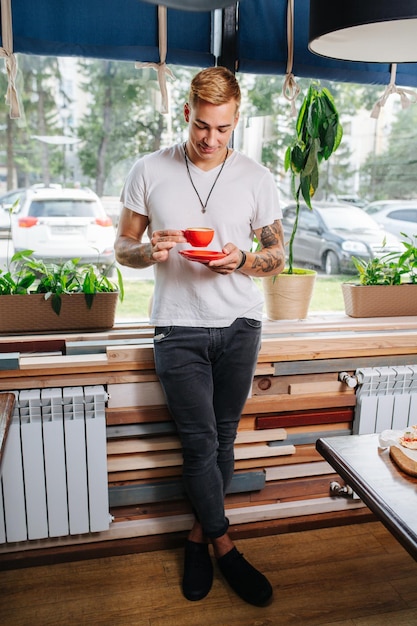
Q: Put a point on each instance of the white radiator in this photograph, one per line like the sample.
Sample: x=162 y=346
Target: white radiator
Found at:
x=386 y=399
x=54 y=468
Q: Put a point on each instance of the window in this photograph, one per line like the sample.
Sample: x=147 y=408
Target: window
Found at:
x=404 y=215
x=80 y=130
x=63 y=208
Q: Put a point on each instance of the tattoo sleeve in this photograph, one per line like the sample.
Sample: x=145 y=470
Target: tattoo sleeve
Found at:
x=271 y=257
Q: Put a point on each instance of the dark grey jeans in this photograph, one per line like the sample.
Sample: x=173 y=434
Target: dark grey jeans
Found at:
x=206 y=375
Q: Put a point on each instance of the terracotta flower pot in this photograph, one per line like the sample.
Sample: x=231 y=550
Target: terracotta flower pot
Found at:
x=379 y=300
x=288 y=296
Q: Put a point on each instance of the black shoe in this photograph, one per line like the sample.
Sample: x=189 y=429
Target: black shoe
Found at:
x=244 y=579
x=198 y=571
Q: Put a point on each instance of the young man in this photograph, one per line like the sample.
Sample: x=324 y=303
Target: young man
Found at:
x=207 y=316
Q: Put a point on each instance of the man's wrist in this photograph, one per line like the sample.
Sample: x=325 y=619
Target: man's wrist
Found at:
x=243 y=260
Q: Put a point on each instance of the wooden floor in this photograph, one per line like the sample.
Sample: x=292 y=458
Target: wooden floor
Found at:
x=355 y=575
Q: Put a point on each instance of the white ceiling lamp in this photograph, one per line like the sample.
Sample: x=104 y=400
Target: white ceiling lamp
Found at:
x=194 y=5
x=374 y=31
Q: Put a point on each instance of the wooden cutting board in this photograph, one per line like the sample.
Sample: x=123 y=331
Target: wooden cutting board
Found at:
x=407 y=465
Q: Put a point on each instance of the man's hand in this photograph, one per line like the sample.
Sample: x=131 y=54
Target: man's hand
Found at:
x=229 y=263
x=162 y=241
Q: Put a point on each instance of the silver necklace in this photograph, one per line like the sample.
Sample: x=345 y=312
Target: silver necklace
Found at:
x=203 y=204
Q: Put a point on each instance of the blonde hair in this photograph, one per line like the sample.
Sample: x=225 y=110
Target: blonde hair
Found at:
x=216 y=85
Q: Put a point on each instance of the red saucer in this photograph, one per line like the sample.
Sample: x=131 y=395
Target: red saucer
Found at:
x=202 y=256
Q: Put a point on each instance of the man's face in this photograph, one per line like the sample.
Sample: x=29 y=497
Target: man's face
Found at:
x=210 y=128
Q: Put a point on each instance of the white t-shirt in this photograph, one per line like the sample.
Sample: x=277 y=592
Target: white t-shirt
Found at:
x=243 y=199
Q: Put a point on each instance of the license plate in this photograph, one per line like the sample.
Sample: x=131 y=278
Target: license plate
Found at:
x=66 y=230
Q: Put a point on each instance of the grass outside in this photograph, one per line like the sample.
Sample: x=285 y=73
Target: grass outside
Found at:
x=327 y=296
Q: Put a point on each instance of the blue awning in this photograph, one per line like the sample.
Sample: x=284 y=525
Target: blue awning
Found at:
x=262 y=41
x=128 y=30
x=123 y=30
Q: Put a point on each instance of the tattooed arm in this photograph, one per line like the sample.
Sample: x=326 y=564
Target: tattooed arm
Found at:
x=267 y=261
x=270 y=258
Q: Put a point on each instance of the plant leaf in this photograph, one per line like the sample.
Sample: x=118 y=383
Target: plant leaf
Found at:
x=89 y=298
x=120 y=284
x=297 y=158
x=56 y=303
x=305 y=182
x=311 y=161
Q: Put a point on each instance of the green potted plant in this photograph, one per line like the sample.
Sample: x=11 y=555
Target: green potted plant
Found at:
x=318 y=133
x=65 y=296
x=385 y=286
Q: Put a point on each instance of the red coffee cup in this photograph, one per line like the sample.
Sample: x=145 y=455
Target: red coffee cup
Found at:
x=199 y=236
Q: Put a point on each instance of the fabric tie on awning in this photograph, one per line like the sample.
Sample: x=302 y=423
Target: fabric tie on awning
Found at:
x=161 y=67
x=290 y=88
x=9 y=58
x=407 y=96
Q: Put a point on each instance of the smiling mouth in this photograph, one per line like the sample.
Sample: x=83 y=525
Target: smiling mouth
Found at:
x=209 y=151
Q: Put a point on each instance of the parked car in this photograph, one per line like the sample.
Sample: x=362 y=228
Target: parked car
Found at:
x=360 y=202
x=7 y=200
x=59 y=224
x=330 y=234
x=396 y=216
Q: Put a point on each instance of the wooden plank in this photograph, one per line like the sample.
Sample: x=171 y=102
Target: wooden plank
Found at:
x=183 y=522
x=297 y=470
x=129 y=354
x=100 y=346
x=127 y=495
x=303 y=458
x=286 y=402
x=123 y=462
x=149 y=460
x=301 y=418
x=9 y=360
x=314 y=387
x=105 y=371
x=40 y=362
x=144 y=474
x=36 y=343
x=247 y=422
x=265 y=369
x=153 y=509
x=23 y=344
x=153 y=444
x=261 y=451
x=297 y=439
x=271 y=385
x=338 y=322
x=137 y=415
x=147 y=444
x=283 y=368
x=124 y=354
x=311 y=428
x=346 y=345
x=288 y=490
x=289 y=509
x=274 y=434
x=135 y=394
x=122 y=431
x=303 y=454
x=65 y=377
